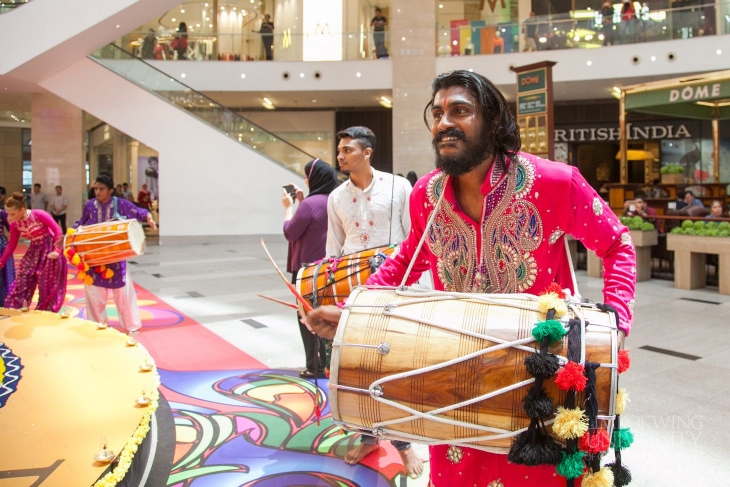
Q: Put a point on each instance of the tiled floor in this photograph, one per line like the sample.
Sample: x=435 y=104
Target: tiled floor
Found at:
x=679 y=405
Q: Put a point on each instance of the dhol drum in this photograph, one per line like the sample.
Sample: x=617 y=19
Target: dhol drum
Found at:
x=331 y=280
x=442 y=368
x=107 y=242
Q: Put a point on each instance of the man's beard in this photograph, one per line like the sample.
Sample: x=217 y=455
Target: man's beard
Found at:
x=469 y=158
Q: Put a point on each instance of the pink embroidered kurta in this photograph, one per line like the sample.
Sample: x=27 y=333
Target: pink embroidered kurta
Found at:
x=36 y=269
x=517 y=246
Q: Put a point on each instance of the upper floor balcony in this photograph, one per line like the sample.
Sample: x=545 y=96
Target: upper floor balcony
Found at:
x=235 y=30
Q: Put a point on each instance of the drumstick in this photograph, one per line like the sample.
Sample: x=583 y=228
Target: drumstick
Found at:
x=278 y=301
x=305 y=304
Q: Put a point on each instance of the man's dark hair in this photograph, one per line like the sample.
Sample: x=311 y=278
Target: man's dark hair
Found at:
x=499 y=124
x=106 y=180
x=2 y=191
x=363 y=135
x=37 y=185
x=58 y=186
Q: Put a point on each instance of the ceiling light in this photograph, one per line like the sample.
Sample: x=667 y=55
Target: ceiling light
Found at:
x=267 y=104
x=234 y=9
x=719 y=51
x=197 y=25
x=441 y=5
x=243 y=75
x=653 y=58
x=210 y=25
x=182 y=75
x=174 y=19
x=358 y=75
x=207 y=19
x=206 y=4
x=314 y=101
x=403 y=39
x=182 y=10
x=617 y=89
x=117 y=26
x=385 y=102
x=589 y=63
x=301 y=75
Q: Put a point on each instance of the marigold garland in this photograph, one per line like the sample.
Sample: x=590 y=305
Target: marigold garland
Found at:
x=126 y=456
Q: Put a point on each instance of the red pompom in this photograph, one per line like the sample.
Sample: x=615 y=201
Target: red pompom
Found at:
x=571 y=376
x=81 y=268
x=595 y=441
x=554 y=287
x=624 y=361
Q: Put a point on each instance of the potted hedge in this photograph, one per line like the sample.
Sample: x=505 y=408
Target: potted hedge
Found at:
x=672 y=174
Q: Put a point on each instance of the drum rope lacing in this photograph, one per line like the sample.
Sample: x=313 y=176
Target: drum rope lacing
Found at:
x=375 y=389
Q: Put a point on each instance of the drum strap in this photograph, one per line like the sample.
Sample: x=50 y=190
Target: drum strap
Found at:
x=392 y=196
x=423 y=238
x=576 y=293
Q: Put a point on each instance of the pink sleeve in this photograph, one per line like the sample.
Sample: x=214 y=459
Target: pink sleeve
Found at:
x=12 y=244
x=394 y=268
x=49 y=223
x=600 y=230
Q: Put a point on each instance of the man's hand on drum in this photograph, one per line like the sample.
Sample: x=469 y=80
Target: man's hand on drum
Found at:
x=151 y=221
x=323 y=321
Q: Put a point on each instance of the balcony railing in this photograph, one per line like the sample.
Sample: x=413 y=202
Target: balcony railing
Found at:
x=573 y=30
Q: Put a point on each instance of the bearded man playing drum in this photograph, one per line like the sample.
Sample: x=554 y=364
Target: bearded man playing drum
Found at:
x=498 y=229
x=106 y=207
x=368 y=210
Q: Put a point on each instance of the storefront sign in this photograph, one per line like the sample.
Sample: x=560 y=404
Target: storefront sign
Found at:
x=530 y=104
x=689 y=93
x=655 y=131
x=531 y=81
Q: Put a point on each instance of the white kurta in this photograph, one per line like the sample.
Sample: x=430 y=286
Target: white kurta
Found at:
x=362 y=219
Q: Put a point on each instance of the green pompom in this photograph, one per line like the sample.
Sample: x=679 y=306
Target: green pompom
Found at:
x=571 y=466
x=622 y=438
x=550 y=328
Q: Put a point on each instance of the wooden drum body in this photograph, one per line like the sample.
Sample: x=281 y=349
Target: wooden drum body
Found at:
x=107 y=242
x=386 y=338
x=331 y=280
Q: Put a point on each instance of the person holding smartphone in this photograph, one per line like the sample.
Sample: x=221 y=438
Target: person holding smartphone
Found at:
x=306 y=231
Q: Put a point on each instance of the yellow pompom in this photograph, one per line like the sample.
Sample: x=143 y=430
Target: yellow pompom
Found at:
x=70 y=231
x=86 y=267
x=89 y=280
x=602 y=478
x=550 y=301
x=622 y=398
x=81 y=275
x=76 y=259
x=108 y=274
x=570 y=423
x=102 y=268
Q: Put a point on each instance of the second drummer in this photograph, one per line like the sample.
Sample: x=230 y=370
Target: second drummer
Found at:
x=106 y=207
x=368 y=210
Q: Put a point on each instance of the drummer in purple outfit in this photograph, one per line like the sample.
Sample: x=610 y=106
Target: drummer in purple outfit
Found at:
x=106 y=207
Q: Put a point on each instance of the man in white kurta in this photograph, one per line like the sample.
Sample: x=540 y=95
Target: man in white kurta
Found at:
x=368 y=210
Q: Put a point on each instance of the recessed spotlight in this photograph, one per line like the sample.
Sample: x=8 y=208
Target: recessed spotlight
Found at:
x=589 y=63
x=117 y=26
x=314 y=101
x=301 y=75
x=441 y=5
x=471 y=70
x=653 y=58
x=243 y=75
x=206 y=4
x=234 y=9
x=403 y=38
x=719 y=51
x=358 y=75
x=182 y=75
x=207 y=19
x=223 y=8
x=174 y=19
x=182 y=10
x=617 y=89
x=197 y=25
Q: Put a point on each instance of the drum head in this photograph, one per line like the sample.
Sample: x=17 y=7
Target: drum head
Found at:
x=136 y=237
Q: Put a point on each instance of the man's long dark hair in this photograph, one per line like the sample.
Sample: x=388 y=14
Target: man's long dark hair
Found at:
x=500 y=125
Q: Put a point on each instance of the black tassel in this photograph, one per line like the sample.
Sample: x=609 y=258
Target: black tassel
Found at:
x=538 y=404
x=542 y=366
x=532 y=448
x=621 y=474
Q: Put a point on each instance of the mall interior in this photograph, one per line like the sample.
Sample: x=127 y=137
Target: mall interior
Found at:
x=214 y=109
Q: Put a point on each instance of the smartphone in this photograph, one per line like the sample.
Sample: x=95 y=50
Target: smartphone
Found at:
x=289 y=188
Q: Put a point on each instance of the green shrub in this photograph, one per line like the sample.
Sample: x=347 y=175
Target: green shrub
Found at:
x=687 y=224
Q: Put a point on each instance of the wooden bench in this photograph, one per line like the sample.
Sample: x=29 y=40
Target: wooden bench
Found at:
x=689 y=260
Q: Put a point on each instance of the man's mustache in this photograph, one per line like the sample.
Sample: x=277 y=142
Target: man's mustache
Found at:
x=453 y=132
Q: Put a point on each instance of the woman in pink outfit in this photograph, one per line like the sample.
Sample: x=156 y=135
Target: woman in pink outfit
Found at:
x=43 y=264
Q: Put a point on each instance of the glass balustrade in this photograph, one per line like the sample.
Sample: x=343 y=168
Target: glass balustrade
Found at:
x=202 y=107
x=578 y=29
